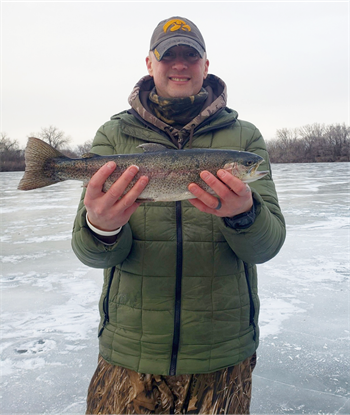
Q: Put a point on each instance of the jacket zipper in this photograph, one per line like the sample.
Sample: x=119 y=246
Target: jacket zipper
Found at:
x=105 y=305
x=252 y=307
x=178 y=283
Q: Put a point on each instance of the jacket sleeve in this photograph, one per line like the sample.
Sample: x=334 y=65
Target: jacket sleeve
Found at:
x=89 y=250
x=264 y=238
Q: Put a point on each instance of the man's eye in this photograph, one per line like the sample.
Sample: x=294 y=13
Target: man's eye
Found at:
x=192 y=56
x=168 y=55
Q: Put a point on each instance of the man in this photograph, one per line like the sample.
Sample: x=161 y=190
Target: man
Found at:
x=179 y=305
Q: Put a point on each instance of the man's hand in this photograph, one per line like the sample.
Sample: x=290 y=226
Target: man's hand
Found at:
x=235 y=197
x=109 y=211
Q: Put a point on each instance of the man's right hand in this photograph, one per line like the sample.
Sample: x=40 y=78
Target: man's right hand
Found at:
x=109 y=211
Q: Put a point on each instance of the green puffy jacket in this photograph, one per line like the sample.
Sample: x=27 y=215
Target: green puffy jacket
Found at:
x=180 y=286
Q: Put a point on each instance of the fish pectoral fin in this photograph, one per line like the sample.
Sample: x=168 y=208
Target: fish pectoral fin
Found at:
x=89 y=155
x=152 y=147
x=229 y=167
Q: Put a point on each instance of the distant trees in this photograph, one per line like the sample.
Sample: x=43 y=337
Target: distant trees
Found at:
x=11 y=156
x=6 y=144
x=53 y=136
x=84 y=148
x=311 y=144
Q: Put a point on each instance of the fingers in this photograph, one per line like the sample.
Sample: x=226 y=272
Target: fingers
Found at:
x=218 y=187
x=130 y=197
x=233 y=182
x=98 y=179
x=206 y=199
x=119 y=187
x=234 y=196
x=110 y=210
x=202 y=206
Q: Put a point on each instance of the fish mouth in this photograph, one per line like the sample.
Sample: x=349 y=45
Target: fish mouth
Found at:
x=245 y=173
x=254 y=174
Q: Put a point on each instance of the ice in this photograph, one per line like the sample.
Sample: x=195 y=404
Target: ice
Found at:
x=303 y=364
x=49 y=300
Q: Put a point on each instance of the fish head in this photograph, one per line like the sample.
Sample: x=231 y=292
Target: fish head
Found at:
x=245 y=167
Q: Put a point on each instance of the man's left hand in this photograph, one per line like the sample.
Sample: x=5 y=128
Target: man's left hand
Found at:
x=235 y=197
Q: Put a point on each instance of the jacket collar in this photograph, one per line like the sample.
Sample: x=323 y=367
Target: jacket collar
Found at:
x=214 y=104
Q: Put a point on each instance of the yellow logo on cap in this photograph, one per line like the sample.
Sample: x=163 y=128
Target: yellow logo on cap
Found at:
x=157 y=54
x=176 y=24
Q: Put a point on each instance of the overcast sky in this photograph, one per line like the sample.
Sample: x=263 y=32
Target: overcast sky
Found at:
x=74 y=64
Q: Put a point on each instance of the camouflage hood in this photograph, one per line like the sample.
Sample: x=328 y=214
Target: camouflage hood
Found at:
x=215 y=102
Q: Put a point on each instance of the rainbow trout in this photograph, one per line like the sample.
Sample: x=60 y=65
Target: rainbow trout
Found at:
x=169 y=171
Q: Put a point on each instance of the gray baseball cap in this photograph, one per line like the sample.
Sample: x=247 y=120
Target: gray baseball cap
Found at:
x=176 y=31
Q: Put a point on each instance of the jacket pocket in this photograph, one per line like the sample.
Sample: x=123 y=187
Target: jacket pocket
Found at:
x=251 y=302
x=105 y=303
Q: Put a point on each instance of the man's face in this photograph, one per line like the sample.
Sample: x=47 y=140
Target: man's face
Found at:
x=180 y=73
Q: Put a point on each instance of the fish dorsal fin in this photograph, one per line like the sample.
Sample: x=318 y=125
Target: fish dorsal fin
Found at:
x=89 y=155
x=152 y=147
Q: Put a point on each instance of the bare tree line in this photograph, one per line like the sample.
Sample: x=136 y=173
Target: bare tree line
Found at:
x=308 y=144
x=311 y=144
x=12 y=156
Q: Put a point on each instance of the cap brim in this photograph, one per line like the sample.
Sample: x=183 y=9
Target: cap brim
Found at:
x=174 y=41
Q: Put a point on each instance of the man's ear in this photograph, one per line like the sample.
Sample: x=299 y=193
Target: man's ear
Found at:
x=206 y=69
x=149 y=65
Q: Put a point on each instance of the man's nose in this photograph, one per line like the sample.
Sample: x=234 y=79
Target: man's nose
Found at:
x=180 y=62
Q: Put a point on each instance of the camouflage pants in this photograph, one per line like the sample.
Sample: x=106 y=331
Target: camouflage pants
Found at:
x=117 y=390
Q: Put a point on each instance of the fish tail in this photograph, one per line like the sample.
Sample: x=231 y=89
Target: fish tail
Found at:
x=37 y=172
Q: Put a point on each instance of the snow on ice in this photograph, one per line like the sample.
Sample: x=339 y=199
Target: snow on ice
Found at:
x=49 y=300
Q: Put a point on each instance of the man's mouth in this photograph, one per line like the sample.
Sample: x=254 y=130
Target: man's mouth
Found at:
x=178 y=79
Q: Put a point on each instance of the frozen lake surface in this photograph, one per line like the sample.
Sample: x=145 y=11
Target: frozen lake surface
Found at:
x=49 y=300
